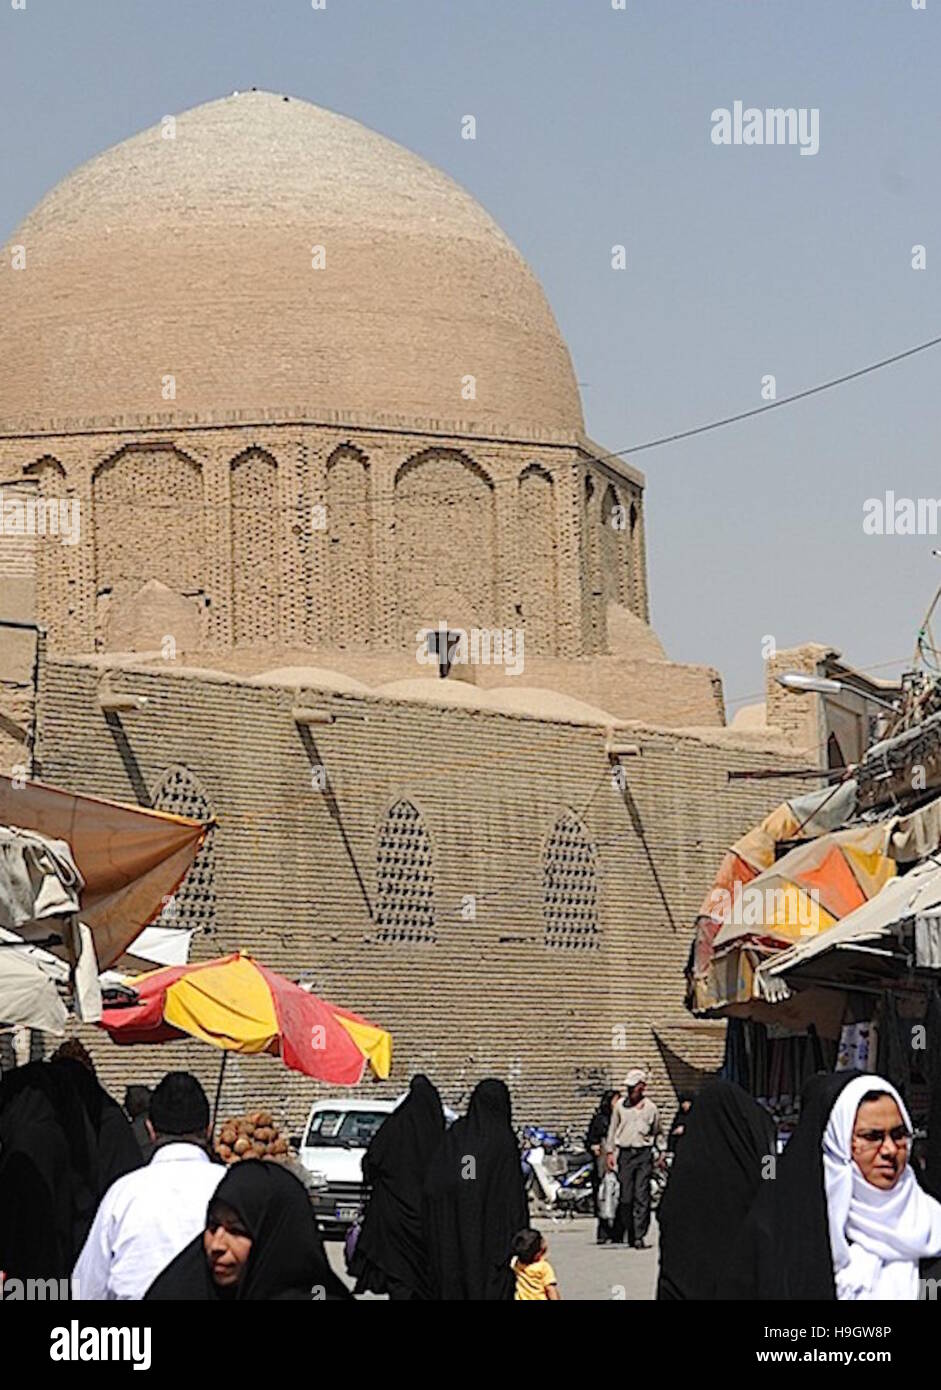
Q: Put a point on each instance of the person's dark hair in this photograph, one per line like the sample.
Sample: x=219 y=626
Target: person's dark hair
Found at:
x=874 y=1095
x=137 y=1101
x=527 y=1245
x=74 y=1051
x=179 y=1108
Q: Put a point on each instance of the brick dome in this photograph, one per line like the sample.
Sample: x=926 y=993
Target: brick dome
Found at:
x=191 y=257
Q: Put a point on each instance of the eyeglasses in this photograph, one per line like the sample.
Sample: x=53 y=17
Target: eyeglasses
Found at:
x=875 y=1138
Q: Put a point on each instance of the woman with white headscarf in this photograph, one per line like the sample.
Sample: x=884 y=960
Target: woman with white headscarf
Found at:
x=844 y=1217
x=881 y=1222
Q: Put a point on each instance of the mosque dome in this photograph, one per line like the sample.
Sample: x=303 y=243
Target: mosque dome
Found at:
x=188 y=252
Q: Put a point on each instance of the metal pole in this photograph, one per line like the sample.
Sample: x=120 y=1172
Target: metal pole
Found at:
x=215 y=1108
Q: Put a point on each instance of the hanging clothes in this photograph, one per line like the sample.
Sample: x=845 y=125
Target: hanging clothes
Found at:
x=894 y=1059
x=857 y=1050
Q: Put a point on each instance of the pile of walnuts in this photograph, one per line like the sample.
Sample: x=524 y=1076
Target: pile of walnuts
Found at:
x=251 y=1136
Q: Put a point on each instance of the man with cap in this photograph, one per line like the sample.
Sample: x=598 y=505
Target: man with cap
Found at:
x=635 y=1125
x=147 y=1217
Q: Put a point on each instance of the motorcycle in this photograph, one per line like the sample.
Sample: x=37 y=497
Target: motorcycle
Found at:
x=557 y=1176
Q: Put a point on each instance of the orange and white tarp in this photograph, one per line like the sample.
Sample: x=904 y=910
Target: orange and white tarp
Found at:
x=131 y=859
x=752 y=912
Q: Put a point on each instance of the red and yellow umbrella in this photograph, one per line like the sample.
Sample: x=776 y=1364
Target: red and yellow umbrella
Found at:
x=238 y=1004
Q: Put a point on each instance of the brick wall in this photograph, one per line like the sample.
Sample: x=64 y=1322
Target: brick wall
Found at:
x=293 y=869
x=316 y=535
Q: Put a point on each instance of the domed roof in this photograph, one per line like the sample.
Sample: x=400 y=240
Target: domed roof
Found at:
x=191 y=257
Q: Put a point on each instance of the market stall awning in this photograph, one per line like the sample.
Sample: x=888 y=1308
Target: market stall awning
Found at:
x=810 y=888
x=803 y=895
x=130 y=860
x=28 y=994
x=804 y=818
x=869 y=941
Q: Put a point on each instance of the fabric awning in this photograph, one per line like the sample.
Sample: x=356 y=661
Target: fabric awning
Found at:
x=28 y=995
x=872 y=931
x=812 y=887
x=131 y=860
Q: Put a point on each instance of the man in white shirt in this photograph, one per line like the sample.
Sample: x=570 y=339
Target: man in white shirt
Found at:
x=147 y=1217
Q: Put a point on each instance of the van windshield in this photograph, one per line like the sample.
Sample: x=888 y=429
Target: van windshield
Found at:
x=347 y=1129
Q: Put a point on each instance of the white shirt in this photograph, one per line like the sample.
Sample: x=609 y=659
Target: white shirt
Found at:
x=145 y=1219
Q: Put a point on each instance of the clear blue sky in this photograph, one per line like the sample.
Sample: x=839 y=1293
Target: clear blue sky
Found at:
x=594 y=129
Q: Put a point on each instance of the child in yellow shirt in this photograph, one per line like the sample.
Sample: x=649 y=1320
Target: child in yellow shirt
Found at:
x=535 y=1277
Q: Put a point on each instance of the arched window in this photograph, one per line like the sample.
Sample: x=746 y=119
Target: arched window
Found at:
x=193 y=906
x=405 y=897
x=444 y=505
x=349 y=550
x=536 y=534
x=570 y=887
x=256 y=548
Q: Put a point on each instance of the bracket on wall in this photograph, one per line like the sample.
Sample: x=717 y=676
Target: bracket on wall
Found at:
x=111 y=702
x=616 y=750
x=303 y=714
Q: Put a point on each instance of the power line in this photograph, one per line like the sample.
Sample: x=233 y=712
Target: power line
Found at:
x=773 y=405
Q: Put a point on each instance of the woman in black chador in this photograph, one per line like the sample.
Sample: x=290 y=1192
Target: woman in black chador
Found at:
x=716 y=1175
x=596 y=1142
x=474 y=1201
x=261 y=1242
x=391 y=1256
x=49 y=1172
x=844 y=1217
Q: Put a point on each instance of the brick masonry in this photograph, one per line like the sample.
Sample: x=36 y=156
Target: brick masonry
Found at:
x=572 y=966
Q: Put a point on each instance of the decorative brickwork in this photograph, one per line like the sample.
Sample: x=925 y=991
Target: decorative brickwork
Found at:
x=246 y=537
x=256 y=548
x=570 y=887
x=193 y=905
x=537 y=550
x=148 y=524
x=405 y=885
x=350 y=550
x=444 y=543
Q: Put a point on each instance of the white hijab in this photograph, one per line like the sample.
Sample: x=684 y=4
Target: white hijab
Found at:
x=876 y=1237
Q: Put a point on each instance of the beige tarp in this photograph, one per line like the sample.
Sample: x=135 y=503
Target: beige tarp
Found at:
x=918 y=835
x=131 y=859
x=28 y=995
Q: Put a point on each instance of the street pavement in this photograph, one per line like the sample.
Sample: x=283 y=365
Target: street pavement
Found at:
x=584 y=1270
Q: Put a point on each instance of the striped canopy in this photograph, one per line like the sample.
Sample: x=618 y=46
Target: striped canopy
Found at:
x=238 y=1004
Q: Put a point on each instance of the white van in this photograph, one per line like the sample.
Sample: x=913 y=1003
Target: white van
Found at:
x=331 y=1150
